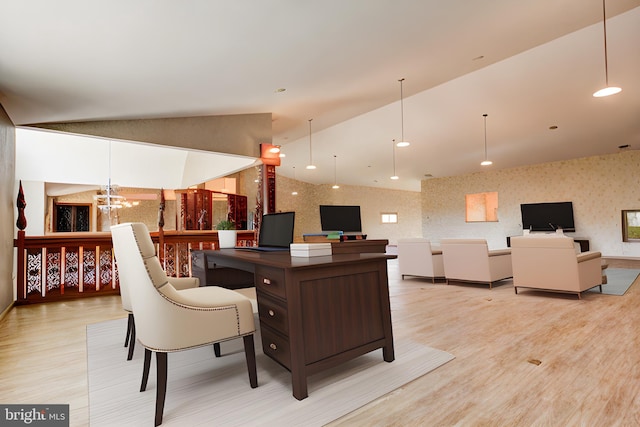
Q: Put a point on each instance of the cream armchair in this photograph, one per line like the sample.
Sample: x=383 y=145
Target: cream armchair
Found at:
x=168 y=319
x=416 y=257
x=470 y=260
x=130 y=337
x=551 y=264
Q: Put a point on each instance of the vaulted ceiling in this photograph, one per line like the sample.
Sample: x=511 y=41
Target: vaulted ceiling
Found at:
x=529 y=65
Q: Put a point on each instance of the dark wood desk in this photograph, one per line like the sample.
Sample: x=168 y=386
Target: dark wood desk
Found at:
x=315 y=313
x=359 y=246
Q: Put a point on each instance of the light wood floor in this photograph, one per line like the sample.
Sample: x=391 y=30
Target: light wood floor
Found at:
x=588 y=352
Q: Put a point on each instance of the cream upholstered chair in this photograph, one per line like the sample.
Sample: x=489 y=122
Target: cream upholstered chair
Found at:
x=168 y=319
x=130 y=337
x=470 y=260
x=416 y=257
x=550 y=263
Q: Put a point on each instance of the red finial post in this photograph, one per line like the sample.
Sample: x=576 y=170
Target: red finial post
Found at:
x=21 y=223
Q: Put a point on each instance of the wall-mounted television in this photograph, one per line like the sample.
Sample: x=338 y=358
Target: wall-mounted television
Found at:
x=547 y=216
x=340 y=218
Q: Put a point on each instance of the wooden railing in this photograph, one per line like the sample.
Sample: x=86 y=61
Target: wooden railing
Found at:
x=71 y=265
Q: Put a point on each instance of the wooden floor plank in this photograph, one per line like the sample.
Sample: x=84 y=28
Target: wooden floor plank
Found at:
x=588 y=352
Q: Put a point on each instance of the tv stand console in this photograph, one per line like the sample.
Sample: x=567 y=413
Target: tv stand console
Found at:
x=582 y=241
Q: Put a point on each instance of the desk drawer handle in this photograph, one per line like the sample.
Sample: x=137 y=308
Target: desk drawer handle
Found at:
x=266 y=281
x=273 y=346
x=271 y=313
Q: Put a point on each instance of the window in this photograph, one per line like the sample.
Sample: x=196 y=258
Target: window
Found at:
x=69 y=217
x=389 y=217
x=631 y=226
x=482 y=207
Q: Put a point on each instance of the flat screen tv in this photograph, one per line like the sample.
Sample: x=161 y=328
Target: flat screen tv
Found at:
x=340 y=218
x=547 y=216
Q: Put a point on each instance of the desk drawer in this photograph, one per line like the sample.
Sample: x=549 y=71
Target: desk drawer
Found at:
x=273 y=314
x=275 y=346
x=270 y=280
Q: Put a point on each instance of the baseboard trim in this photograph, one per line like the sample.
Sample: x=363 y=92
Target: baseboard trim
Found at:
x=7 y=310
x=622 y=261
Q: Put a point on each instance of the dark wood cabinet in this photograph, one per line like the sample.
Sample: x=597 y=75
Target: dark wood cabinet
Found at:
x=194 y=209
x=201 y=209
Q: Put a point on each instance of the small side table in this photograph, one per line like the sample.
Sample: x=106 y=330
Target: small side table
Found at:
x=604 y=273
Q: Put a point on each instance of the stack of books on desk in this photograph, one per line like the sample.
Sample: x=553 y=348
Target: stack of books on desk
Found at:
x=310 y=249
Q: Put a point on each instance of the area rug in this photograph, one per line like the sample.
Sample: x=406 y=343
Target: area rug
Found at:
x=619 y=280
x=205 y=390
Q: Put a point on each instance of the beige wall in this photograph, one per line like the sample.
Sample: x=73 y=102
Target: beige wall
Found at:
x=372 y=202
x=600 y=187
x=7 y=207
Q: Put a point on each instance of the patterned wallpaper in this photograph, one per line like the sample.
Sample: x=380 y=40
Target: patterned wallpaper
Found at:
x=600 y=187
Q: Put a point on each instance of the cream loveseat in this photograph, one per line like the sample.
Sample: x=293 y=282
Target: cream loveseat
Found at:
x=470 y=260
x=416 y=257
x=550 y=263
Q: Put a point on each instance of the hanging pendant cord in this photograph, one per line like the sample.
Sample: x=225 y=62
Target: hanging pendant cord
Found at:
x=393 y=147
x=310 y=149
x=485 y=135
x=401 y=110
x=604 y=25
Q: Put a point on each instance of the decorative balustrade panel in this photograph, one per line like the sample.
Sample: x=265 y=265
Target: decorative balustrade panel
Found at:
x=33 y=282
x=88 y=269
x=69 y=265
x=72 y=268
x=53 y=272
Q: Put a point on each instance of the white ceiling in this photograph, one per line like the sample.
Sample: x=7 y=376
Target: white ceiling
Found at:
x=340 y=62
x=54 y=157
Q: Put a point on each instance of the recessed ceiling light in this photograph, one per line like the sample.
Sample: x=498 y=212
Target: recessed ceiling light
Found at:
x=478 y=58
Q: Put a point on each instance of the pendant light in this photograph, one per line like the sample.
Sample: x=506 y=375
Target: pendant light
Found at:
x=607 y=90
x=393 y=147
x=310 y=166
x=486 y=161
x=335 y=173
x=294 y=192
x=110 y=200
x=402 y=142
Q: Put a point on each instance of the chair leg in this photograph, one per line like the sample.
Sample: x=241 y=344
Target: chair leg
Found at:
x=129 y=325
x=250 y=355
x=216 y=349
x=145 y=369
x=161 y=391
x=132 y=339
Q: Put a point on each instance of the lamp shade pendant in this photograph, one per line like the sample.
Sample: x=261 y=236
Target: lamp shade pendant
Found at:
x=402 y=142
x=607 y=90
x=310 y=165
x=486 y=161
